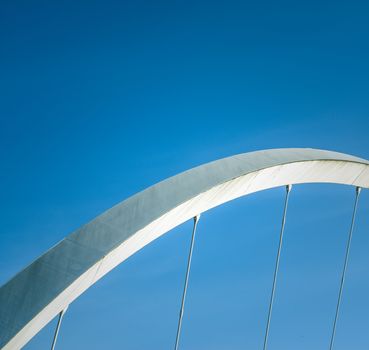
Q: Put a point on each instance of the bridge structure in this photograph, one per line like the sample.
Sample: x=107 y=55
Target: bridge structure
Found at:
x=45 y=288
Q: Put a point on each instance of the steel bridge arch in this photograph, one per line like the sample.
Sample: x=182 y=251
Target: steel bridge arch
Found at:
x=42 y=290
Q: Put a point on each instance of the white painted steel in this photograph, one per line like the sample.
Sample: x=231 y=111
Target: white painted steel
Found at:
x=42 y=290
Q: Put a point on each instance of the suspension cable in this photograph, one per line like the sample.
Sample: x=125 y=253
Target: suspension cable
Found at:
x=61 y=314
x=358 y=190
x=196 y=220
x=288 y=190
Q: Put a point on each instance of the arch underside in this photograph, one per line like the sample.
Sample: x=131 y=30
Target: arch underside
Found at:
x=38 y=293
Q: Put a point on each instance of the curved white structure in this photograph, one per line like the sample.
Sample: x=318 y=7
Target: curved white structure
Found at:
x=38 y=293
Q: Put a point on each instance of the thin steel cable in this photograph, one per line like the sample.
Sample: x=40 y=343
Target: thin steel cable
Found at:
x=196 y=220
x=61 y=314
x=288 y=190
x=358 y=190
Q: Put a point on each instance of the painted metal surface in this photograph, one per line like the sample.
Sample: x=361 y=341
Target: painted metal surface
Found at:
x=42 y=290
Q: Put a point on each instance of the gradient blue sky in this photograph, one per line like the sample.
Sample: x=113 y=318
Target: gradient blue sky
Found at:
x=100 y=99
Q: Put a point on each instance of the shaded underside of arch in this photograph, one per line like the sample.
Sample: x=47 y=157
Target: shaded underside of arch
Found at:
x=39 y=292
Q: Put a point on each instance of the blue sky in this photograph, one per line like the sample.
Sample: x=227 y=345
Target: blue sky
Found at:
x=101 y=99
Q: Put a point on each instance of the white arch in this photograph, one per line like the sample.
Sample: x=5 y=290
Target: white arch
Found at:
x=38 y=293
